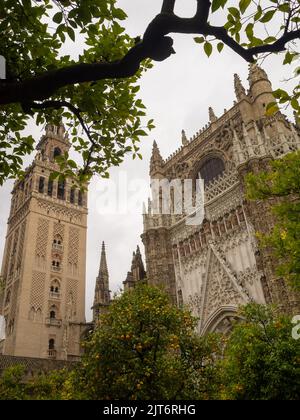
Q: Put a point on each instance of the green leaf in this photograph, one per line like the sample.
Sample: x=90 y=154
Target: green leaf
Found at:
x=208 y=48
x=235 y=12
x=295 y=104
x=57 y=18
x=249 y=31
x=268 y=16
x=243 y=5
x=259 y=13
x=220 y=46
x=285 y=7
x=270 y=39
x=289 y=56
x=199 y=39
x=71 y=33
x=216 y=4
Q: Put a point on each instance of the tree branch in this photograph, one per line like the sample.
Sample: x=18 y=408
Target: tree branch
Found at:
x=168 y=6
x=155 y=45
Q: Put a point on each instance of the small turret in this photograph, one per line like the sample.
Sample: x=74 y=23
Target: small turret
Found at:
x=137 y=273
x=156 y=162
x=184 y=138
x=260 y=92
x=239 y=89
x=212 y=115
x=256 y=74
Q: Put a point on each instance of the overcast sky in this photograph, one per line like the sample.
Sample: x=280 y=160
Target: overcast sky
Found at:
x=177 y=94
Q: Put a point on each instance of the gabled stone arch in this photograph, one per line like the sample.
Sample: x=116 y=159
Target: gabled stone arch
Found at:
x=221 y=320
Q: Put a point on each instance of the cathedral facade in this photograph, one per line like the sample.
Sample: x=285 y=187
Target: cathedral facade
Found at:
x=216 y=266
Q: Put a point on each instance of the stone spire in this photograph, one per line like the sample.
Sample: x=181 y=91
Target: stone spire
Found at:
x=156 y=162
x=139 y=265
x=256 y=73
x=239 y=88
x=102 y=292
x=137 y=273
x=184 y=138
x=212 y=115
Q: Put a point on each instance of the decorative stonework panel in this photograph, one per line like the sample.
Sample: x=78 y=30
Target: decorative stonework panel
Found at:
x=219 y=290
x=59 y=229
x=42 y=238
x=21 y=245
x=14 y=298
x=60 y=211
x=7 y=257
x=37 y=290
x=73 y=250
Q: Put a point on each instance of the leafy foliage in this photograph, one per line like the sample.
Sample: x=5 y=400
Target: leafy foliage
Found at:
x=282 y=182
x=11 y=387
x=35 y=35
x=15 y=384
x=146 y=348
x=261 y=360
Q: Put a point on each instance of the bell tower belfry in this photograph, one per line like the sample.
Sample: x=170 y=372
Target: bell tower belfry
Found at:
x=43 y=270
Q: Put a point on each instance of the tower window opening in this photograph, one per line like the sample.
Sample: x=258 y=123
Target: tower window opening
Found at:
x=51 y=344
x=57 y=242
x=50 y=187
x=61 y=190
x=55 y=289
x=80 y=198
x=41 y=184
x=52 y=314
x=72 y=195
x=56 y=152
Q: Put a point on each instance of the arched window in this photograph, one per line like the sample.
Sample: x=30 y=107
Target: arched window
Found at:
x=211 y=170
x=72 y=195
x=50 y=187
x=55 y=289
x=41 y=184
x=56 y=262
x=80 y=198
x=52 y=314
x=61 y=190
x=56 y=152
x=51 y=344
x=57 y=242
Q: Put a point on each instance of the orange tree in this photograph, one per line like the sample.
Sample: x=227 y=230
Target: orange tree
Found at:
x=261 y=359
x=146 y=348
x=282 y=183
